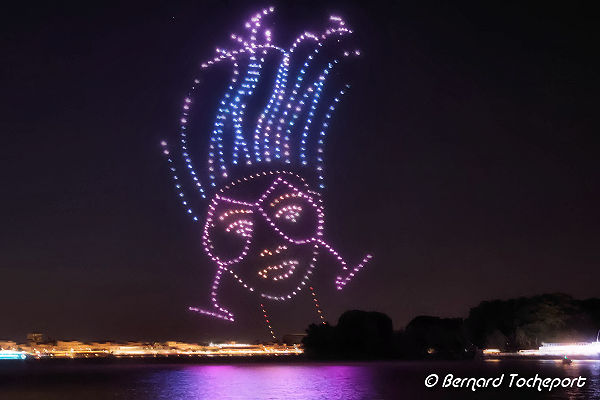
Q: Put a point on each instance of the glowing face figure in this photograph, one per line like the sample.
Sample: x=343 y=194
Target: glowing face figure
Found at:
x=270 y=245
x=265 y=230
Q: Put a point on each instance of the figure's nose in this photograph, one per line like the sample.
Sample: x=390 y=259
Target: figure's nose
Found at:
x=267 y=252
x=267 y=241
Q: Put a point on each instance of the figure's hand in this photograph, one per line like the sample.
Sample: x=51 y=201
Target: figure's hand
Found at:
x=341 y=281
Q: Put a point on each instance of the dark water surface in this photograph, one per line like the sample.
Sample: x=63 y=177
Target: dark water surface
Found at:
x=289 y=381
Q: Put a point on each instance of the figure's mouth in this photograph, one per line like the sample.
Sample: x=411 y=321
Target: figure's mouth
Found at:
x=280 y=271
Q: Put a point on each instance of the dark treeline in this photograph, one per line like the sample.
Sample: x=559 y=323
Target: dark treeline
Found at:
x=508 y=325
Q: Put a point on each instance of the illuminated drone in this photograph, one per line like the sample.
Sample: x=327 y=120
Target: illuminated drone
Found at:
x=264 y=171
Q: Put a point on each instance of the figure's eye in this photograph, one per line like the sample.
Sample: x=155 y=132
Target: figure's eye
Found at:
x=241 y=227
x=295 y=215
x=290 y=213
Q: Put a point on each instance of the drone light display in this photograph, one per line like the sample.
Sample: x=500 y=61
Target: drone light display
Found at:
x=264 y=175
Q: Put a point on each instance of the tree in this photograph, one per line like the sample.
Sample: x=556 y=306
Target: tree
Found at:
x=358 y=335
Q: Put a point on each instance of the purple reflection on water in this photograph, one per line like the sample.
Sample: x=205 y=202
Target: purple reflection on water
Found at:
x=265 y=382
x=403 y=380
x=124 y=380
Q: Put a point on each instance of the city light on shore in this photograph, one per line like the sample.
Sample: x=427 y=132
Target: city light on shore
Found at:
x=76 y=349
x=552 y=350
x=566 y=349
x=12 y=355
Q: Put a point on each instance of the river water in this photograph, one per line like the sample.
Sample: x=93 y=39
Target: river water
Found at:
x=288 y=381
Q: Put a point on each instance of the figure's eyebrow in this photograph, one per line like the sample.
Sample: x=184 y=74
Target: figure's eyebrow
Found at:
x=286 y=196
x=231 y=212
x=219 y=199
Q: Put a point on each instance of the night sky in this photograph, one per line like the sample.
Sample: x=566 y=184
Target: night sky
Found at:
x=464 y=158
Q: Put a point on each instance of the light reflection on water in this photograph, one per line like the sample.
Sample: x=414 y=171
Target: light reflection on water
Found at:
x=264 y=382
x=353 y=381
x=589 y=369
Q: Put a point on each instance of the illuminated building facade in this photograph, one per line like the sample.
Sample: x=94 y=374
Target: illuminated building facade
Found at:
x=77 y=349
x=570 y=349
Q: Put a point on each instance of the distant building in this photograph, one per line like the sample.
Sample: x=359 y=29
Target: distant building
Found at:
x=35 y=338
x=8 y=345
x=38 y=347
x=570 y=349
x=293 y=338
